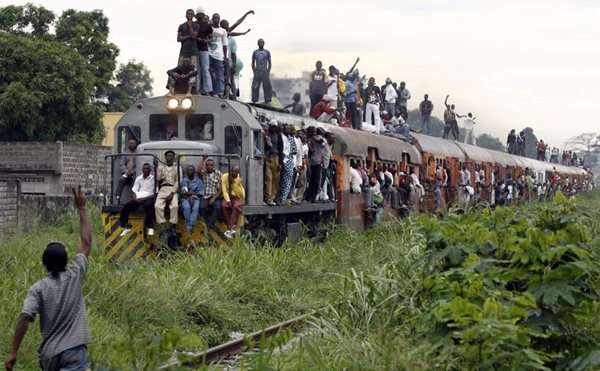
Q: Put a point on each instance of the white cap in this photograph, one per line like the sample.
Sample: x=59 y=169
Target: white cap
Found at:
x=273 y=123
x=200 y=10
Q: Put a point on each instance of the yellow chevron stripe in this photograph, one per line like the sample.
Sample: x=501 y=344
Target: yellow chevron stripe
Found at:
x=130 y=247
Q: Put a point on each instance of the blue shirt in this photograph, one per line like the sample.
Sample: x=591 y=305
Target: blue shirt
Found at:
x=350 y=91
x=261 y=56
x=194 y=185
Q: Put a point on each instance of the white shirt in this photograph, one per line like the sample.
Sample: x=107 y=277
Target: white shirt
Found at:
x=300 y=152
x=390 y=94
x=388 y=175
x=332 y=90
x=355 y=180
x=468 y=123
x=287 y=147
x=215 y=45
x=143 y=187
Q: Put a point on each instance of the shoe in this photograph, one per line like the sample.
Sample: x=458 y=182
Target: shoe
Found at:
x=118 y=200
x=150 y=231
x=228 y=234
x=125 y=231
x=271 y=203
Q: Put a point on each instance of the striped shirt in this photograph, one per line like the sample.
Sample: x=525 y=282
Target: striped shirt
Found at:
x=59 y=302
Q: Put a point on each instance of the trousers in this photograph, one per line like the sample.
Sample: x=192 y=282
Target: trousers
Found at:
x=191 y=209
x=217 y=72
x=161 y=203
x=261 y=78
x=74 y=359
x=205 y=81
x=271 y=178
x=146 y=203
x=232 y=212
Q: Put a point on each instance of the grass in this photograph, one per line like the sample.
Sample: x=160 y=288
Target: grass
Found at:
x=381 y=323
x=138 y=313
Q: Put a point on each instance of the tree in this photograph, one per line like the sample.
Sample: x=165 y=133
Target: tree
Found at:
x=17 y=19
x=530 y=143
x=133 y=82
x=87 y=33
x=45 y=92
x=490 y=142
x=583 y=142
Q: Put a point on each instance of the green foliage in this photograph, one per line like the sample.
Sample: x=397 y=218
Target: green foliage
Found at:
x=87 y=33
x=133 y=82
x=19 y=19
x=490 y=142
x=45 y=92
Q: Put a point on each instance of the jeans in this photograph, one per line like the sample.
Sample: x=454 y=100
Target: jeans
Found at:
x=454 y=127
x=123 y=181
x=390 y=108
x=74 y=359
x=210 y=212
x=191 y=209
x=146 y=203
x=261 y=77
x=426 y=124
x=217 y=71
x=204 y=82
x=447 y=129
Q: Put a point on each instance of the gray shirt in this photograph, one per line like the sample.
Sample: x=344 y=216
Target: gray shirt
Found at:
x=59 y=302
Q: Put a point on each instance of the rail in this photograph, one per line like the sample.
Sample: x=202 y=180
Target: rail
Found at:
x=155 y=161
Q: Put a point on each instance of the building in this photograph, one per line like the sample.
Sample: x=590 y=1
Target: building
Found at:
x=286 y=87
x=109 y=120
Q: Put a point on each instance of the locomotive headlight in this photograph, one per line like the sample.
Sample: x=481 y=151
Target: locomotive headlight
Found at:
x=186 y=103
x=172 y=103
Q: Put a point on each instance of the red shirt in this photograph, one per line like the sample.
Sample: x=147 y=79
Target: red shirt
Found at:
x=320 y=108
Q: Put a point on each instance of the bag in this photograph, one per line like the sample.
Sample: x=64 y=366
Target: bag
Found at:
x=378 y=199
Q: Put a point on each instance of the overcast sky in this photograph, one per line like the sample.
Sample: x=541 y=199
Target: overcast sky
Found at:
x=513 y=63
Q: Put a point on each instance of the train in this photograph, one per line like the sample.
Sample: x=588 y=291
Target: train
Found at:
x=231 y=132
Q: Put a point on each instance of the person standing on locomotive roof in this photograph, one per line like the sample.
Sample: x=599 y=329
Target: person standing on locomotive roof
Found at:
x=203 y=37
x=187 y=35
x=318 y=85
x=167 y=191
x=218 y=55
x=426 y=107
x=261 y=68
x=58 y=299
x=127 y=167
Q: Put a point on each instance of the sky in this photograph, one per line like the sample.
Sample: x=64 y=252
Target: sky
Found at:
x=512 y=63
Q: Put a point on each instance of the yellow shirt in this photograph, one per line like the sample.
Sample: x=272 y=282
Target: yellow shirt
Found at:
x=237 y=189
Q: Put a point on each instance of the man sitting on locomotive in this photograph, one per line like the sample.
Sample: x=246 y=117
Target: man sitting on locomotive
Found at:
x=234 y=196
x=211 y=201
x=192 y=191
x=167 y=191
x=182 y=78
x=143 y=188
x=127 y=167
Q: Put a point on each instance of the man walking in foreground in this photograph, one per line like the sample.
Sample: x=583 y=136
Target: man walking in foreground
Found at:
x=58 y=299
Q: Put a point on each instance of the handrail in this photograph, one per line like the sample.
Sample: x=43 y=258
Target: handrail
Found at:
x=155 y=161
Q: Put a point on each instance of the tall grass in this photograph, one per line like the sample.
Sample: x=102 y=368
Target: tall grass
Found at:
x=141 y=311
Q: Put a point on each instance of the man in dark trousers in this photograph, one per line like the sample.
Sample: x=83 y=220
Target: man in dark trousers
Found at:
x=182 y=78
x=58 y=299
x=261 y=67
x=426 y=107
x=187 y=35
x=127 y=167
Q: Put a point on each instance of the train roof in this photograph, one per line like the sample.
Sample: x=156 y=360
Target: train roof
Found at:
x=438 y=147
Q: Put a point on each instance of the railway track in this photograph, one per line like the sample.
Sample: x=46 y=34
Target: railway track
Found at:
x=231 y=350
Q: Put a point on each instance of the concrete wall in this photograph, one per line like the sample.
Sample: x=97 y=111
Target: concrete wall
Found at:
x=84 y=165
x=53 y=168
x=9 y=196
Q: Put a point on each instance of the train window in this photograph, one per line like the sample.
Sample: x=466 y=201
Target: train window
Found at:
x=199 y=127
x=258 y=144
x=233 y=140
x=163 y=127
x=125 y=133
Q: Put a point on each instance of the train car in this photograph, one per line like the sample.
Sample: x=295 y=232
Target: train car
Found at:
x=231 y=133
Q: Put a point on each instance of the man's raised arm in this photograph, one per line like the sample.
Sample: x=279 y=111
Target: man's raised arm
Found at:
x=85 y=228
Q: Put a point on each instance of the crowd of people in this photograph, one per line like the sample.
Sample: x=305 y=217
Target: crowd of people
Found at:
x=203 y=191
x=516 y=144
x=298 y=165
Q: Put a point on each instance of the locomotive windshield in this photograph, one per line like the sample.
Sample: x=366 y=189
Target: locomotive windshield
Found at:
x=163 y=127
x=199 y=127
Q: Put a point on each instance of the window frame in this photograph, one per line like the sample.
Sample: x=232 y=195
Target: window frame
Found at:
x=187 y=131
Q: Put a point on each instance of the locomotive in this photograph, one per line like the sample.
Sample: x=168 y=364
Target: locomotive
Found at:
x=231 y=133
